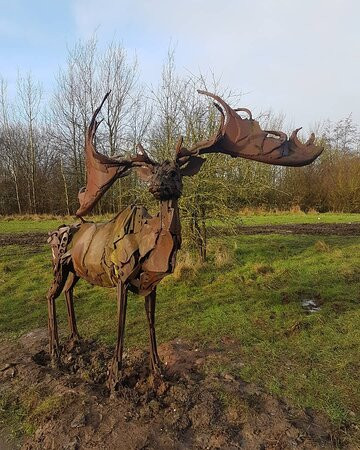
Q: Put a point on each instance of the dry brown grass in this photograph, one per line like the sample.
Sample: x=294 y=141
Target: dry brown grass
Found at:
x=35 y=217
x=295 y=209
x=261 y=211
x=223 y=256
x=187 y=266
x=322 y=246
x=262 y=269
x=312 y=211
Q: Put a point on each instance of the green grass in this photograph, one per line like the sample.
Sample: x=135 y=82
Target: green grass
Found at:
x=286 y=218
x=29 y=226
x=15 y=224
x=40 y=223
x=253 y=294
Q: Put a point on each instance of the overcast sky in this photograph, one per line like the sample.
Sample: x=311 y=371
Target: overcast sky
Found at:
x=300 y=57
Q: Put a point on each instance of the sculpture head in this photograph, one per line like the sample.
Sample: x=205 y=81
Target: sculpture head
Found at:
x=236 y=136
x=164 y=180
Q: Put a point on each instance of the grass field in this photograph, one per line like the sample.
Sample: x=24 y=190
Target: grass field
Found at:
x=26 y=224
x=252 y=289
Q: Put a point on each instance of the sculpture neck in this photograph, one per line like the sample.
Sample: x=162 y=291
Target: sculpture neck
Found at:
x=169 y=216
x=167 y=204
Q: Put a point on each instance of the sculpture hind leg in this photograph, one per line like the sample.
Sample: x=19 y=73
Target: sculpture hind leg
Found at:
x=55 y=290
x=116 y=365
x=150 y=302
x=71 y=281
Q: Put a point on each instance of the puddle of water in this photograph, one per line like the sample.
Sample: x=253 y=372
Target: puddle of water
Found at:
x=310 y=305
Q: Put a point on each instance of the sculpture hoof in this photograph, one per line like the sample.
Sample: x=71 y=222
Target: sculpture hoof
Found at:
x=157 y=379
x=74 y=341
x=158 y=383
x=55 y=360
x=115 y=377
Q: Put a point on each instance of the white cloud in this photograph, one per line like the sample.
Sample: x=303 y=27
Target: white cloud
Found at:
x=298 y=57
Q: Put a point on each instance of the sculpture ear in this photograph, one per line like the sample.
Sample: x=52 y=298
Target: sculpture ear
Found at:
x=144 y=172
x=192 y=167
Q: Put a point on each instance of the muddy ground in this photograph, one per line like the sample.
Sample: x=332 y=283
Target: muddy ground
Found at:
x=30 y=239
x=335 y=229
x=322 y=229
x=191 y=409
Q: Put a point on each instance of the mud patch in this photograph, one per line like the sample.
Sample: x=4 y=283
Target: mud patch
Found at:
x=321 y=229
x=29 y=239
x=69 y=406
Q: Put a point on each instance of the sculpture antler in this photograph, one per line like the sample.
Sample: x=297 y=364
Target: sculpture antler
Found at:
x=102 y=171
x=244 y=138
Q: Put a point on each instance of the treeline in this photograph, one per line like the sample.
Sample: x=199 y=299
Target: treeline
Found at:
x=42 y=143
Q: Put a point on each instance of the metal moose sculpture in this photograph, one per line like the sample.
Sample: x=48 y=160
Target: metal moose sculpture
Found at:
x=136 y=250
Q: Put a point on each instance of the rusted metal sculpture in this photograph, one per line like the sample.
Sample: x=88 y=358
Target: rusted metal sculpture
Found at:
x=136 y=250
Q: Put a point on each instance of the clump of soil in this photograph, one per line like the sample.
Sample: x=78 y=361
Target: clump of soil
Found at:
x=190 y=409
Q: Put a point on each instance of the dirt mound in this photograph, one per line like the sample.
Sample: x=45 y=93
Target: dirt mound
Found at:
x=70 y=408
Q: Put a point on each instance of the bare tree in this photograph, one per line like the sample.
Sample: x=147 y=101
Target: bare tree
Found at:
x=29 y=94
x=47 y=149
x=7 y=140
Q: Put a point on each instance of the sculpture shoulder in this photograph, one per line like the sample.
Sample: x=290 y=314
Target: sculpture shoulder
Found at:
x=130 y=220
x=84 y=232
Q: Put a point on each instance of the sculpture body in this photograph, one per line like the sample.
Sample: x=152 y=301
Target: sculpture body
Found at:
x=133 y=248
x=135 y=251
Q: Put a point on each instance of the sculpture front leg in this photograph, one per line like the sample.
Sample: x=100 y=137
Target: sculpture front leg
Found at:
x=68 y=290
x=54 y=346
x=54 y=291
x=116 y=365
x=150 y=303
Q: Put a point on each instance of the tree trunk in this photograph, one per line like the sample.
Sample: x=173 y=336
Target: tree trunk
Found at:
x=199 y=232
x=65 y=187
x=32 y=168
x=17 y=191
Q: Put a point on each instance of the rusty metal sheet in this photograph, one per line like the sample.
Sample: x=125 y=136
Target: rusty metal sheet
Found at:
x=148 y=281
x=125 y=248
x=79 y=247
x=243 y=137
x=122 y=223
x=147 y=240
x=148 y=235
x=101 y=170
x=127 y=271
x=96 y=271
x=158 y=260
